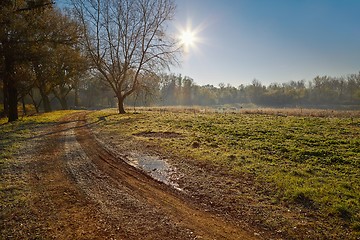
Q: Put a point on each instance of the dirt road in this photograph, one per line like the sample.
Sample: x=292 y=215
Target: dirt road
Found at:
x=153 y=210
x=81 y=190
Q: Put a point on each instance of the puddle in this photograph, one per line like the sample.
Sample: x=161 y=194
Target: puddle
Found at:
x=154 y=166
x=157 y=168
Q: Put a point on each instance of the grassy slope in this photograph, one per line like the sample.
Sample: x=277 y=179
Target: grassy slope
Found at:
x=313 y=162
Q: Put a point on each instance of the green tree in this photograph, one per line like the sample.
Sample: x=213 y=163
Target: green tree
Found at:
x=30 y=30
x=57 y=59
x=13 y=31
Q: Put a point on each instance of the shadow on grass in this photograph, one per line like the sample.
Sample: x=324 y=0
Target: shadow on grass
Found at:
x=14 y=137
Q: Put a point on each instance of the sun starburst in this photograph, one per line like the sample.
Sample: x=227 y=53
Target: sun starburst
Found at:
x=189 y=36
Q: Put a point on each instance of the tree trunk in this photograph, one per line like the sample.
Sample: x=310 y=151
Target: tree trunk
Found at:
x=61 y=95
x=34 y=102
x=6 y=99
x=63 y=102
x=12 y=93
x=121 y=105
x=46 y=101
x=76 y=95
x=23 y=105
x=10 y=84
x=46 y=104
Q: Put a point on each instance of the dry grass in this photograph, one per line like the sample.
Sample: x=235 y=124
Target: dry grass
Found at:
x=300 y=112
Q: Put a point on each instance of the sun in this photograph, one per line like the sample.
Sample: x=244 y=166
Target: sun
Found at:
x=187 y=38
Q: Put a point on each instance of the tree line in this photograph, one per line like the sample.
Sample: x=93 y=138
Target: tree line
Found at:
x=101 y=53
x=320 y=92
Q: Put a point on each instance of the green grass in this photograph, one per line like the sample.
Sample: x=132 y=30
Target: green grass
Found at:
x=12 y=134
x=312 y=162
x=13 y=185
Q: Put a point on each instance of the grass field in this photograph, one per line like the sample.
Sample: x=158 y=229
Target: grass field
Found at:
x=311 y=162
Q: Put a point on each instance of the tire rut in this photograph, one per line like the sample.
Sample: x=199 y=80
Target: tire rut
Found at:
x=139 y=206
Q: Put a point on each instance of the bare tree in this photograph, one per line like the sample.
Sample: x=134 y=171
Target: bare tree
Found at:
x=126 y=40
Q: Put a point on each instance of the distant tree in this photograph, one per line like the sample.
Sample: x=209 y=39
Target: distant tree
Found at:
x=168 y=89
x=147 y=93
x=208 y=95
x=353 y=86
x=68 y=66
x=320 y=92
x=227 y=94
x=126 y=40
x=255 y=91
x=93 y=93
x=186 y=91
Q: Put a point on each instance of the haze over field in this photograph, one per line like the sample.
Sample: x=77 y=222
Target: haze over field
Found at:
x=272 y=41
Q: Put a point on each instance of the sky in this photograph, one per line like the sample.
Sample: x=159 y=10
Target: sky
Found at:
x=268 y=40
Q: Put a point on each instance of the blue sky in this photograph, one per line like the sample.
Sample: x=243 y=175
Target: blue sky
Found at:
x=270 y=40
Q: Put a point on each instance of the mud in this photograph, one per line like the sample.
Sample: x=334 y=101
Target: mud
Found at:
x=147 y=208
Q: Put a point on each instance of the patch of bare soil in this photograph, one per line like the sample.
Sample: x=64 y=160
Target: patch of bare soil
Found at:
x=159 y=134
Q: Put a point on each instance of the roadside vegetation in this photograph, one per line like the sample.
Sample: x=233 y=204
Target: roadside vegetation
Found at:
x=308 y=162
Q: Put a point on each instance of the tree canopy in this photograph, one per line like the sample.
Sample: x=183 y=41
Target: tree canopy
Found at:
x=41 y=41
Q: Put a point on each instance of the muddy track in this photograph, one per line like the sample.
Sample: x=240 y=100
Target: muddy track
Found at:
x=125 y=193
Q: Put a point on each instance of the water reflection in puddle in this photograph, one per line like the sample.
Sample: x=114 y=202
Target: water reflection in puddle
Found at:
x=157 y=168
